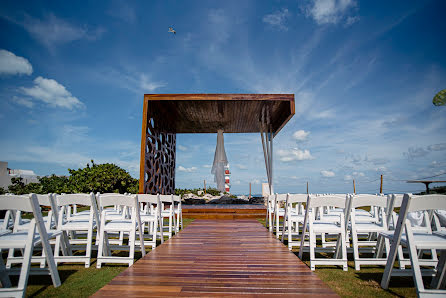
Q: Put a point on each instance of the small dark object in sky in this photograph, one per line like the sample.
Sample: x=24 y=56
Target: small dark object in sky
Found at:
x=171 y=30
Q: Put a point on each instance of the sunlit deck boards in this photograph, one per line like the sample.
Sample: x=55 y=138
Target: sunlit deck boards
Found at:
x=218 y=258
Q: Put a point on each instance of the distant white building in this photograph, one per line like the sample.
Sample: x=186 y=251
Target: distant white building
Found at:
x=6 y=174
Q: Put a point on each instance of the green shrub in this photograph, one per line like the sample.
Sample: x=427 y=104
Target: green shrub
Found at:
x=54 y=184
x=102 y=178
x=213 y=191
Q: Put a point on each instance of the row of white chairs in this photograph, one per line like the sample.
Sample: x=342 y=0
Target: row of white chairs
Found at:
x=140 y=217
x=370 y=225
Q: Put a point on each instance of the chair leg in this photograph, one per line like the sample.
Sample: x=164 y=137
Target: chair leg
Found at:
x=312 y=248
x=154 y=232
x=344 y=250
x=170 y=226
x=389 y=265
x=181 y=219
x=88 y=249
x=101 y=251
x=132 y=247
x=10 y=257
x=270 y=221
x=161 y=228
x=355 y=249
x=416 y=271
x=26 y=265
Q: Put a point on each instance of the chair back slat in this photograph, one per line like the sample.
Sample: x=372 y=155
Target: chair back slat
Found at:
x=368 y=200
x=16 y=202
x=77 y=199
x=426 y=202
x=118 y=199
x=166 y=198
x=148 y=198
x=281 y=197
x=297 y=198
x=328 y=200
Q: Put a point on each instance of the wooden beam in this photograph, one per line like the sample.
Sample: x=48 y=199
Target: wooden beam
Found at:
x=267 y=97
x=143 y=147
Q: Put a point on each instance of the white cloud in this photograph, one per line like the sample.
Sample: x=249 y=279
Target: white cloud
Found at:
x=437 y=147
x=207 y=166
x=147 y=85
x=52 y=93
x=52 y=31
x=182 y=148
x=348 y=177
x=351 y=20
x=415 y=152
x=26 y=102
x=331 y=11
x=300 y=135
x=327 y=173
x=241 y=166
x=187 y=170
x=277 y=19
x=294 y=154
x=255 y=181
x=10 y=64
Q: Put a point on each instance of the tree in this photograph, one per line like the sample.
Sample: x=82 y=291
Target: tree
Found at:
x=440 y=98
x=102 y=178
x=54 y=184
x=18 y=187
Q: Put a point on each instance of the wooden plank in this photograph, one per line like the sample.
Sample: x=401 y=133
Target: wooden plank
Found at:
x=218 y=258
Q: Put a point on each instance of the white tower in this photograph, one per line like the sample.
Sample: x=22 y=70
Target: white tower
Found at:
x=227 y=175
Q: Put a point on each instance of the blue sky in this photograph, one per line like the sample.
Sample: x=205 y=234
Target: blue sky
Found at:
x=72 y=79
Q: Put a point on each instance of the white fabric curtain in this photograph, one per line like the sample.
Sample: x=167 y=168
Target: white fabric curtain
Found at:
x=220 y=161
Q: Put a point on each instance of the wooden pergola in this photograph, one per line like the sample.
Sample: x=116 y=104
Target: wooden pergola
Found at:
x=165 y=115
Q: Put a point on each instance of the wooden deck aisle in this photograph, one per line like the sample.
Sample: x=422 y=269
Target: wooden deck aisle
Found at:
x=218 y=258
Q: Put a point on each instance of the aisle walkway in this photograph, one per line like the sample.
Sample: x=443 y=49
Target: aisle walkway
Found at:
x=218 y=258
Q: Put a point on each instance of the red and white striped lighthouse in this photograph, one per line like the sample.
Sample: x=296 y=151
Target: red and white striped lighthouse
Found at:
x=227 y=175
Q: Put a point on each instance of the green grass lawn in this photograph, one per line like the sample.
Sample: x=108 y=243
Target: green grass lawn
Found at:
x=363 y=283
x=77 y=281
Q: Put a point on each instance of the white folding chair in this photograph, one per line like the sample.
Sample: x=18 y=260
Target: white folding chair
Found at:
x=294 y=215
x=167 y=212
x=368 y=225
x=50 y=223
x=395 y=201
x=151 y=215
x=279 y=212
x=130 y=225
x=417 y=241
x=25 y=240
x=334 y=225
x=80 y=223
x=178 y=212
x=269 y=212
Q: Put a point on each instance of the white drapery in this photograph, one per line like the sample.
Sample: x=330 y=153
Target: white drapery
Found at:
x=220 y=162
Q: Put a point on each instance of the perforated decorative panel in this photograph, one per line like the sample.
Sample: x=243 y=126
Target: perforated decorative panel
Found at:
x=159 y=165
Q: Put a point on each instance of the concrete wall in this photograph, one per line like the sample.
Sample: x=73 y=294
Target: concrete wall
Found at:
x=5 y=179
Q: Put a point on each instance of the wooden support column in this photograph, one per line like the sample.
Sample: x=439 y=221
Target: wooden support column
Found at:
x=267 y=136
